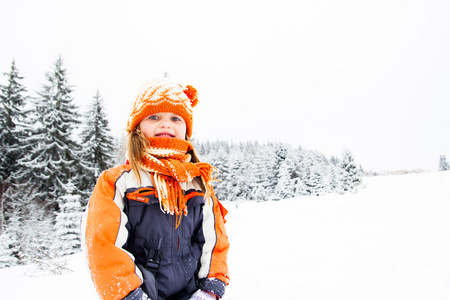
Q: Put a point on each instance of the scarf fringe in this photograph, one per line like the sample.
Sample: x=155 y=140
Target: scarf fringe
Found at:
x=167 y=172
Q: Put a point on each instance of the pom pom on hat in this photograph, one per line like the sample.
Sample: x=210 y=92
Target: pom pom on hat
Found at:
x=192 y=94
x=163 y=95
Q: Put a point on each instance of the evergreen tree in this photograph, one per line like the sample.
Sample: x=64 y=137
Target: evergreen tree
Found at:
x=313 y=174
x=260 y=176
x=14 y=240
x=273 y=162
x=119 y=149
x=221 y=162
x=27 y=237
x=298 y=180
x=52 y=154
x=281 y=152
x=10 y=249
x=98 y=147
x=12 y=133
x=237 y=182
x=307 y=183
x=443 y=165
x=316 y=183
x=285 y=187
x=36 y=235
x=334 y=185
x=351 y=178
x=67 y=239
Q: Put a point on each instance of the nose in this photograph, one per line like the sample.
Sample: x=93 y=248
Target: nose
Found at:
x=165 y=124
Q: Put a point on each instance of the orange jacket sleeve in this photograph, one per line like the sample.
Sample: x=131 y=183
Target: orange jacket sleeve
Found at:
x=112 y=268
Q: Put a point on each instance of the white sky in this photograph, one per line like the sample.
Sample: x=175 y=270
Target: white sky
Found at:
x=369 y=76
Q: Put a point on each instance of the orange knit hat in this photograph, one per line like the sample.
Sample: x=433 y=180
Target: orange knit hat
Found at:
x=163 y=95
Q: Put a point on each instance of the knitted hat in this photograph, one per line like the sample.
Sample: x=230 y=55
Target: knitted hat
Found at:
x=163 y=95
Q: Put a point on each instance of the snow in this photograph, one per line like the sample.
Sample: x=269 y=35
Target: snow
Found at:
x=388 y=241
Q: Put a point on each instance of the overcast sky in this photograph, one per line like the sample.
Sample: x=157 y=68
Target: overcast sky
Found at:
x=369 y=76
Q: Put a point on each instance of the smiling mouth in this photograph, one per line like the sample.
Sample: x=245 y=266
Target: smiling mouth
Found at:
x=165 y=134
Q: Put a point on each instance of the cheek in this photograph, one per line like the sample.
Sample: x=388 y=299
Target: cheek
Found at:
x=181 y=131
x=147 y=129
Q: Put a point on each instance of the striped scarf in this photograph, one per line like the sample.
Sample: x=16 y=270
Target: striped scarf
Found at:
x=169 y=163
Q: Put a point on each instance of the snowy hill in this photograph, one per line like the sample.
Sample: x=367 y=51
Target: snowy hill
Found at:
x=389 y=241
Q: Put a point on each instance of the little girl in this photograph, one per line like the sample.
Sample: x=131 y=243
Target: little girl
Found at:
x=153 y=228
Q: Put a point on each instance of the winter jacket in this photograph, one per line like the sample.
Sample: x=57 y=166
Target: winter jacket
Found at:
x=130 y=243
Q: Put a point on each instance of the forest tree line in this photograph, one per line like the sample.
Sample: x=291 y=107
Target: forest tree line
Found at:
x=275 y=170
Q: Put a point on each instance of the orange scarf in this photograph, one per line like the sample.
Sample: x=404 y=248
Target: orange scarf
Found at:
x=169 y=164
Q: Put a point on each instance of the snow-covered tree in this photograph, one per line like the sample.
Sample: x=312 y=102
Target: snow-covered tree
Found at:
x=36 y=235
x=15 y=240
x=12 y=132
x=334 y=184
x=260 y=172
x=443 y=165
x=52 y=154
x=286 y=171
x=284 y=188
x=281 y=152
x=10 y=242
x=351 y=177
x=98 y=146
x=237 y=182
x=309 y=177
x=119 y=150
x=220 y=162
x=68 y=219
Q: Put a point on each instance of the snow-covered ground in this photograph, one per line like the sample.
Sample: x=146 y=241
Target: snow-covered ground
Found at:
x=389 y=241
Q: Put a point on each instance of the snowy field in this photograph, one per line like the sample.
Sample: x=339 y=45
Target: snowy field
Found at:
x=389 y=241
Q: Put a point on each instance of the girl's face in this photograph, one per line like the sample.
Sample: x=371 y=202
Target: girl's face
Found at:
x=164 y=125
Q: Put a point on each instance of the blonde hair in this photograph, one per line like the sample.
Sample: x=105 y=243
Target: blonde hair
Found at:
x=136 y=145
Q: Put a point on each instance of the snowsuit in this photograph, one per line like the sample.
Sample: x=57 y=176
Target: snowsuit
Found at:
x=131 y=243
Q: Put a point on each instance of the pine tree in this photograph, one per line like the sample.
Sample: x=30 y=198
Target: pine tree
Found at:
x=238 y=179
x=221 y=162
x=317 y=183
x=312 y=175
x=52 y=154
x=281 y=152
x=119 y=150
x=10 y=249
x=67 y=239
x=298 y=182
x=260 y=176
x=443 y=165
x=351 y=178
x=273 y=163
x=36 y=235
x=28 y=235
x=333 y=180
x=285 y=187
x=12 y=132
x=98 y=146
x=15 y=240
x=304 y=165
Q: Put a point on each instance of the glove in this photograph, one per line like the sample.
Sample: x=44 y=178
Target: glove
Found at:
x=201 y=295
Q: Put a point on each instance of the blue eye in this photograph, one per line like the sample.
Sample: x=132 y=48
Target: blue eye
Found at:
x=153 y=117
